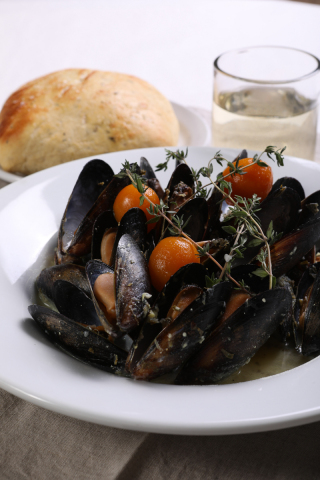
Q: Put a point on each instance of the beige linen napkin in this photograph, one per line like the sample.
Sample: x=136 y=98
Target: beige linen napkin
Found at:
x=36 y=444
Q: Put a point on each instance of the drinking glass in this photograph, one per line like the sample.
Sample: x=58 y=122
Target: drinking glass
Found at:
x=266 y=96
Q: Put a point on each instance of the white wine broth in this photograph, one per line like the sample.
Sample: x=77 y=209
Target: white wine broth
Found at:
x=250 y=118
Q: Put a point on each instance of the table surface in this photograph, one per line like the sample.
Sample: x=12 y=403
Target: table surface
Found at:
x=172 y=45
x=169 y=43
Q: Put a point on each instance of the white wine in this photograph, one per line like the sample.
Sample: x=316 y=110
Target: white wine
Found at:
x=257 y=117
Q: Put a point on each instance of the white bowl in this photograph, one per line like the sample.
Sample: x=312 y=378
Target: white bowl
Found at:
x=33 y=369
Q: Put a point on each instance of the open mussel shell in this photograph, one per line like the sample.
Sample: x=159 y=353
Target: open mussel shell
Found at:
x=179 y=189
x=132 y=223
x=72 y=273
x=197 y=209
x=72 y=302
x=288 y=251
x=156 y=186
x=79 y=341
x=310 y=208
x=192 y=274
x=307 y=312
x=132 y=283
x=92 y=180
x=213 y=226
x=237 y=298
x=281 y=207
x=104 y=223
x=182 y=173
x=234 y=343
x=183 y=336
x=79 y=241
x=146 y=168
x=94 y=269
x=289 y=182
x=151 y=178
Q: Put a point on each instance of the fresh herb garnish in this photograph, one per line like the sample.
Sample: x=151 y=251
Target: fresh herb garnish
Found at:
x=241 y=221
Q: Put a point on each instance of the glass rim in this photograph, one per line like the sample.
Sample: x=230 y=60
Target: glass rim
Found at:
x=267 y=82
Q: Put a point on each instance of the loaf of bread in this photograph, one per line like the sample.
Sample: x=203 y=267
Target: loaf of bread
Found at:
x=77 y=113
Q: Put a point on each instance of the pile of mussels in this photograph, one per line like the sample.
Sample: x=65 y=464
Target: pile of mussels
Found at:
x=131 y=330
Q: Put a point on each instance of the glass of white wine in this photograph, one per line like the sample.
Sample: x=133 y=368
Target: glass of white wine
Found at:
x=266 y=95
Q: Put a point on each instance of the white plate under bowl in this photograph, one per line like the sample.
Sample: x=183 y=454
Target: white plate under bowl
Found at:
x=194 y=132
x=33 y=369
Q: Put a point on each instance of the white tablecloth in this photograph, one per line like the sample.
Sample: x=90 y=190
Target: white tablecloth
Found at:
x=170 y=43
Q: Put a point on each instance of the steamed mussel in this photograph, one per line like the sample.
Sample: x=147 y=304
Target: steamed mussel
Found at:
x=198 y=328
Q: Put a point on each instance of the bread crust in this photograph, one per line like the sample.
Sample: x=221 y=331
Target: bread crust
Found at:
x=76 y=113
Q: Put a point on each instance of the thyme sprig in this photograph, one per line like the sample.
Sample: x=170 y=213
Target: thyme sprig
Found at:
x=242 y=220
x=177 y=225
x=179 y=156
x=243 y=211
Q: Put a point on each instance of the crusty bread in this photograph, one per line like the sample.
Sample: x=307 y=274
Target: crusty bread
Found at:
x=76 y=113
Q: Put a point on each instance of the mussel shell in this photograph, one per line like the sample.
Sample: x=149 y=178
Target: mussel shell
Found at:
x=156 y=186
x=79 y=239
x=310 y=208
x=81 y=242
x=289 y=250
x=78 y=341
x=234 y=343
x=133 y=223
x=242 y=154
x=73 y=303
x=286 y=327
x=151 y=244
x=289 y=182
x=147 y=334
x=213 y=227
x=308 y=336
x=311 y=336
x=191 y=274
x=93 y=179
x=95 y=268
x=61 y=258
x=281 y=207
x=104 y=221
x=245 y=272
x=184 y=336
x=222 y=248
x=182 y=173
x=72 y=273
x=132 y=280
x=197 y=209
x=146 y=168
